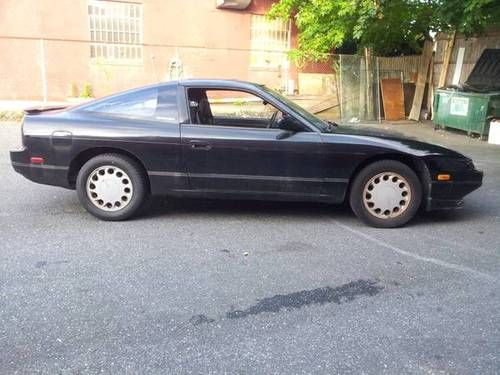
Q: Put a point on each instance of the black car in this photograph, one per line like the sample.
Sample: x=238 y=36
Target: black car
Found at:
x=236 y=140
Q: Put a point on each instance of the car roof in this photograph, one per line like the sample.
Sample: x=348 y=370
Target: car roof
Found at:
x=205 y=82
x=226 y=83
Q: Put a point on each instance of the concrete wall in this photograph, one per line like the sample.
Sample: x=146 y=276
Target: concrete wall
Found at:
x=210 y=42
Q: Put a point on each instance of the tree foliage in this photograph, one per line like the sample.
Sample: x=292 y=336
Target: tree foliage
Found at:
x=389 y=27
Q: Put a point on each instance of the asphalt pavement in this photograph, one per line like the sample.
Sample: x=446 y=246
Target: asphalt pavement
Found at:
x=214 y=287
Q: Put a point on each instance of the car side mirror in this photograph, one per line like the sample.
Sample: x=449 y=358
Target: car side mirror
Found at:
x=285 y=134
x=290 y=124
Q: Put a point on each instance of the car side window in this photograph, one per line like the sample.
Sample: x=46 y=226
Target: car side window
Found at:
x=231 y=108
x=238 y=104
x=156 y=103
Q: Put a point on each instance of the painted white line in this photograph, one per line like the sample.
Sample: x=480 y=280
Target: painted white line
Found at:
x=442 y=263
x=458 y=244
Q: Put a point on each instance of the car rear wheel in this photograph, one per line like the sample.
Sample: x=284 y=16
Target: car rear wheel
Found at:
x=111 y=187
x=386 y=194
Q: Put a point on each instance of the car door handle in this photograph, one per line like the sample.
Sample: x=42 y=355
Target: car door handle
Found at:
x=200 y=145
x=61 y=134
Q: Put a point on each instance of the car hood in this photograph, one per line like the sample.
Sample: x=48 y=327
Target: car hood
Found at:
x=396 y=141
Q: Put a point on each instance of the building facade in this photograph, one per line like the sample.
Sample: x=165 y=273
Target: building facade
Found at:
x=53 y=50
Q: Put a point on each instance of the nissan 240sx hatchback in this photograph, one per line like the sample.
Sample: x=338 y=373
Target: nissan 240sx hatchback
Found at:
x=235 y=140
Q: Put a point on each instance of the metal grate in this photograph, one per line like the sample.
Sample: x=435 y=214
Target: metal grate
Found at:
x=115 y=31
x=270 y=42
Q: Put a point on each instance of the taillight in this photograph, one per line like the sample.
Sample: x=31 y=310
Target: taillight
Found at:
x=37 y=160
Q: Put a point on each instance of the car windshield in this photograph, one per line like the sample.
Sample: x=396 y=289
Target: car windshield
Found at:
x=318 y=123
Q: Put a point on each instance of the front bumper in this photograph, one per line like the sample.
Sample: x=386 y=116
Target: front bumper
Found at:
x=41 y=173
x=450 y=194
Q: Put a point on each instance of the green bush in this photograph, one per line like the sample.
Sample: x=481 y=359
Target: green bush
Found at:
x=87 y=91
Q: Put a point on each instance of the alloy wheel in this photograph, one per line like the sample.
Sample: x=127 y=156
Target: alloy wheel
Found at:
x=109 y=188
x=387 y=195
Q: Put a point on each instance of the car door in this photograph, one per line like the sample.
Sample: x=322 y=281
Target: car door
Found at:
x=241 y=155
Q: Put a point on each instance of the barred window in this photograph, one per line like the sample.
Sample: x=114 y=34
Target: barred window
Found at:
x=270 y=42
x=115 y=31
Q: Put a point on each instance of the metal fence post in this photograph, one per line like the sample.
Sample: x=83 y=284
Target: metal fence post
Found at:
x=378 y=91
x=341 y=90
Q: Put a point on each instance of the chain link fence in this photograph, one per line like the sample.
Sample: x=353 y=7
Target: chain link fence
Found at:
x=359 y=91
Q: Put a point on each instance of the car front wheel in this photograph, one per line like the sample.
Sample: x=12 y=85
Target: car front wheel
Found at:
x=111 y=187
x=386 y=194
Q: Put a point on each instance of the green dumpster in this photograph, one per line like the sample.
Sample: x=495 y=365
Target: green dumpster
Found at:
x=471 y=107
x=468 y=111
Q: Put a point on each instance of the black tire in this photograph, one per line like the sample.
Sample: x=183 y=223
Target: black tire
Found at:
x=138 y=179
x=359 y=204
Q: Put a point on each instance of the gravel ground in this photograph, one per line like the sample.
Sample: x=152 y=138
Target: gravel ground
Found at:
x=248 y=288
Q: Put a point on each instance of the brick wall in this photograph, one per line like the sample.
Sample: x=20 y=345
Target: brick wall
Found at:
x=210 y=42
